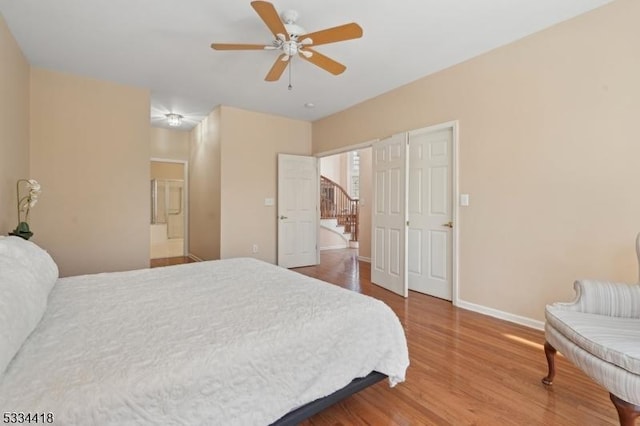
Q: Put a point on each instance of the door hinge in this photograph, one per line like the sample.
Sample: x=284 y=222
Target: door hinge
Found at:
x=407 y=223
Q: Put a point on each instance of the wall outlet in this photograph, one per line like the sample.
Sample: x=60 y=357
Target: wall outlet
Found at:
x=254 y=249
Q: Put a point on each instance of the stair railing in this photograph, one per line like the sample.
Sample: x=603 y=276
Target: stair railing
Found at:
x=335 y=203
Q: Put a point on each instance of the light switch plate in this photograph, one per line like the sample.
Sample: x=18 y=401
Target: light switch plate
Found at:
x=269 y=202
x=464 y=199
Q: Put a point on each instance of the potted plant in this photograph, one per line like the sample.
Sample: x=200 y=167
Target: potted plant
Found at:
x=25 y=203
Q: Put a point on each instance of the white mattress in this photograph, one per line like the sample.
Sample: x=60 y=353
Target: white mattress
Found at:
x=229 y=342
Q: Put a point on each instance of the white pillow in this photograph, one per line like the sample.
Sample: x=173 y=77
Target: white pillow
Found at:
x=27 y=275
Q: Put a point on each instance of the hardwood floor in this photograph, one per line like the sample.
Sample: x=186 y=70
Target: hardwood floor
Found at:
x=167 y=261
x=466 y=368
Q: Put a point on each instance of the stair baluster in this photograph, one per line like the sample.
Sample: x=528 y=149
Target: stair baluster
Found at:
x=335 y=203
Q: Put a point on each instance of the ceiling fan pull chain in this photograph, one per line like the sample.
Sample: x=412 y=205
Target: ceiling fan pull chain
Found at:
x=290 y=66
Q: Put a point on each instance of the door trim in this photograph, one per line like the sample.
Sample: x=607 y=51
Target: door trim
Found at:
x=347 y=148
x=185 y=163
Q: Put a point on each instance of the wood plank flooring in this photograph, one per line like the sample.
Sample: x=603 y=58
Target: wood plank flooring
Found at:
x=168 y=261
x=466 y=368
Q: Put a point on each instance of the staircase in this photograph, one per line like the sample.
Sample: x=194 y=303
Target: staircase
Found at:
x=338 y=211
x=333 y=236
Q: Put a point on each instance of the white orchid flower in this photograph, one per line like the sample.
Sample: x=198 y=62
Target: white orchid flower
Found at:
x=33 y=184
x=25 y=203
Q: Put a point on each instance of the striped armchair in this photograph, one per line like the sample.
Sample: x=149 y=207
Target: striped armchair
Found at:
x=600 y=333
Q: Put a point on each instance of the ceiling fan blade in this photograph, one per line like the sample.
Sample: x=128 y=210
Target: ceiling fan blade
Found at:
x=332 y=35
x=324 y=62
x=230 y=46
x=277 y=69
x=270 y=17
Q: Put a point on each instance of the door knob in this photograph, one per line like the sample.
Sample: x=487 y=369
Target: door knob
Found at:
x=448 y=224
x=283 y=217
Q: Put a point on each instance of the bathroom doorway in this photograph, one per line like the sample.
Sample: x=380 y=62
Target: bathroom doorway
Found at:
x=168 y=221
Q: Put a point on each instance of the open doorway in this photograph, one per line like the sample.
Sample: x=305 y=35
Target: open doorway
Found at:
x=414 y=245
x=168 y=221
x=345 y=210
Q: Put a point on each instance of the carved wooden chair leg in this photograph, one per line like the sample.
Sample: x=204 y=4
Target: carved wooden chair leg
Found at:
x=627 y=412
x=550 y=353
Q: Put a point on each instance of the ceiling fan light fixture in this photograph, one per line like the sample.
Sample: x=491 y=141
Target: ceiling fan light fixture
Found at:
x=174 y=120
x=294 y=30
x=290 y=48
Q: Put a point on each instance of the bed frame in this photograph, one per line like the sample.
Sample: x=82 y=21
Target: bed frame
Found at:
x=302 y=413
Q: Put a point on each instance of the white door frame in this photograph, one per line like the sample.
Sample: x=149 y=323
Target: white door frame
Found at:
x=455 y=261
x=185 y=170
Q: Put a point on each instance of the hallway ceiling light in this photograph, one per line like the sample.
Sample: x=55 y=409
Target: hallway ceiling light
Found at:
x=174 y=120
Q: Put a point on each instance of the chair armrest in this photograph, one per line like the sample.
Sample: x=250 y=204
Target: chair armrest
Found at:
x=605 y=298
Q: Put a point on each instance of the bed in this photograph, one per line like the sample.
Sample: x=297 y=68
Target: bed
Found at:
x=234 y=342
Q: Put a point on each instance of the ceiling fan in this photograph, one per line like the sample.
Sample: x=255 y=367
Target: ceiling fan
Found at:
x=292 y=39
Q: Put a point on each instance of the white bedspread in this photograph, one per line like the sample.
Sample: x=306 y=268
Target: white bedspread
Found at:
x=228 y=342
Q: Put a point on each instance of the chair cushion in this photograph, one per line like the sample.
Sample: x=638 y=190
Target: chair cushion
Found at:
x=612 y=339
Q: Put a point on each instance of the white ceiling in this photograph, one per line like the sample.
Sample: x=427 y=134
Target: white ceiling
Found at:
x=164 y=46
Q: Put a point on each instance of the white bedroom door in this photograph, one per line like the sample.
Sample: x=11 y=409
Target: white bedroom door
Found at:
x=388 y=237
x=429 y=252
x=297 y=210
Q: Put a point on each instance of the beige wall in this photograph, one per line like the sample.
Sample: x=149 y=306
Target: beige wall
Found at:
x=169 y=144
x=204 y=188
x=164 y=170
x=549 y=152
x=250 y=144
x=90 y=151
x=329 y=240
x=14 y=127
x=334 y=167
x=364 y=250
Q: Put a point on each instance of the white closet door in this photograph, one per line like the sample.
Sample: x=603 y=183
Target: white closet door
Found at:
x=297 y=210
x=429 y=252
x=388 y=264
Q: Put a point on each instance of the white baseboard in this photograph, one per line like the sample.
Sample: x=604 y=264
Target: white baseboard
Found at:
x=364 y=259
x=333 y=247
x=527 y=322
x=194 y=257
